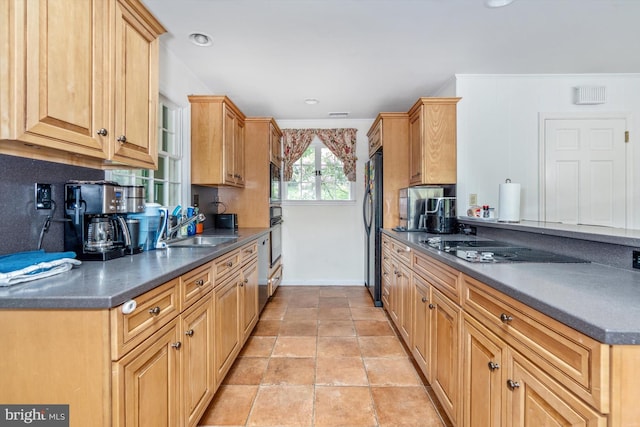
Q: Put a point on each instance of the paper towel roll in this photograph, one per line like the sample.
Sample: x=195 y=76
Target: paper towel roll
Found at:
x=509 y=202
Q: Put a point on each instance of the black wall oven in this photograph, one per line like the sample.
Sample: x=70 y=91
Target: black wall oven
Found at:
x=275 y=251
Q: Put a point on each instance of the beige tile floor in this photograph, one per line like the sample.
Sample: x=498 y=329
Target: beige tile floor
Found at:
x=323 y=356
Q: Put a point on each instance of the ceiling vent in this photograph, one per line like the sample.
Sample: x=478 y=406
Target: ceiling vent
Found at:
x=590 y=95
x=339 y=115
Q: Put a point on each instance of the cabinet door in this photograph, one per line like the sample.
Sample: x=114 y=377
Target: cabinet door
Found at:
x=445 y=354
x=148 y=381
x=228 y=145
x=421 y=334
x=534 y=399
x=415 y=147
x=136 y=91
x=275 y=145
x=406 y=302
x=227 y=326
x=484 y=375
x=65 y=57
x=249 y=298
x=198 y=372
x=238 y=153
x=394 y=292
x=375 y=137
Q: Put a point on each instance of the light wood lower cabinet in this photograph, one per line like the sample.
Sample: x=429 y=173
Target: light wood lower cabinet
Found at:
x=445 y=354
x=198 y=371
x=147 y=382
x=534 y=399
x=249 y=298
x=157 y=366
x=484 y=376
x=493 y=361
x=227 y=326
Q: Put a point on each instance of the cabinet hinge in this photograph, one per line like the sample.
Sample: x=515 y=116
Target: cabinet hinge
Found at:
x=626 y=136
x=318 y=173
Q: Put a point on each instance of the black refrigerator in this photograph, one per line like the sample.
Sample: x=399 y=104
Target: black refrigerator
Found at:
x=372 y=217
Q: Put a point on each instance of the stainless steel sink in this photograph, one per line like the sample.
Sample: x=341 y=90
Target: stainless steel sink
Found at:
x=201 y=241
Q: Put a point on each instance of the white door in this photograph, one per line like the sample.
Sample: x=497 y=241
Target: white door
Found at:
x=585 y=171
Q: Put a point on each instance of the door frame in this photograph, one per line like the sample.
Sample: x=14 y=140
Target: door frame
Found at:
x=595 y=115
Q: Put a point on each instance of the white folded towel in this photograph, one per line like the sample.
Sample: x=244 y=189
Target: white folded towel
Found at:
x=38 y=271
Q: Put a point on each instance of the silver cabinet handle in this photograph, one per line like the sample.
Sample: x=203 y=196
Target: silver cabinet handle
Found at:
x=230 y=264
x=199 y=282
x=122 y=139
x=493 y=366
x=513 y=384
x=102 y=132
x=189 y=333
x=431 y=306
x=176 y=345
x=154 y=311
x=506 y=318
x=424 y=299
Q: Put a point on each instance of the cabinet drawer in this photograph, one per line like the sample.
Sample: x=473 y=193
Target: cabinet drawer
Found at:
x=578 y=362
x=154 y=310
x=195 y=284
x=225 y=265
x=400 y=251
x=443 y=277
x=275 y=280
x=249 y=252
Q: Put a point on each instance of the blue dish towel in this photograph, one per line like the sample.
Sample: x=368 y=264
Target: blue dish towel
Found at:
x=20 y=260
x=27 y=266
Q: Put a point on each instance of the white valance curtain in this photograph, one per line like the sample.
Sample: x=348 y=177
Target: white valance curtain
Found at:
x=341 y=142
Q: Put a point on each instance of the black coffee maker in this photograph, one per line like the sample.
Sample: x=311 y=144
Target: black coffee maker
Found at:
x=96 y=228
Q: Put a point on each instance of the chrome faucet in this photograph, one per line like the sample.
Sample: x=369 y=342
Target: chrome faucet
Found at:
x=170 y=231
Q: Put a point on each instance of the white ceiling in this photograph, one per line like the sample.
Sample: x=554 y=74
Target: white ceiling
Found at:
x=367 y=56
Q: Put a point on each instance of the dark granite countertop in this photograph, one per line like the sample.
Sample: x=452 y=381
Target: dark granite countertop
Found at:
x=600 y=301
x=103 y=285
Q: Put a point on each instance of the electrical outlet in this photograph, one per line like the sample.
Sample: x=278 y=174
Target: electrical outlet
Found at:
x=473 y=199
x=636 y=259
x=43 y=196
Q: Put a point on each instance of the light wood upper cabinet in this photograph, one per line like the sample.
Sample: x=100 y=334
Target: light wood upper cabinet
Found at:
x=135 y=131
x=432 y=141
x=261 y=139
x=275 y=143
x=390 y=131
x=217 y=141
x=375 y=136
x=80 y=75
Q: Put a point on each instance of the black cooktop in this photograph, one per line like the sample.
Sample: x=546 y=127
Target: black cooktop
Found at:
x=493 y=251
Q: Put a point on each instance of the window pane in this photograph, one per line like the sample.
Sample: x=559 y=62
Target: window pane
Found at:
x=160 y=172
x=164 y=146
x=158 y=189
x=174 y=194
x=174 y=170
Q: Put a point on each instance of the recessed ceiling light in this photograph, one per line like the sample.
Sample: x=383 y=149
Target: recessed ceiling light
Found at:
x=339 y=114
x=498 y=3
x=200 y=39
x=311 y=101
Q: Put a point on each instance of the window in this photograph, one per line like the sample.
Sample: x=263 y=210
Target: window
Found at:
x=318 y=176
x=165 y=184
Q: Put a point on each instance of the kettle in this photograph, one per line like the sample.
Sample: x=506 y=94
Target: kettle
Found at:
x=441 y=215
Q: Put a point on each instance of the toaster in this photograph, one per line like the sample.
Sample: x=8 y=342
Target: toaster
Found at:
x=227 y=221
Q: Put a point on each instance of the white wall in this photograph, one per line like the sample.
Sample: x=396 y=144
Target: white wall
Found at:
x=324 y=244
x=498 y=129
x=176 y=82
